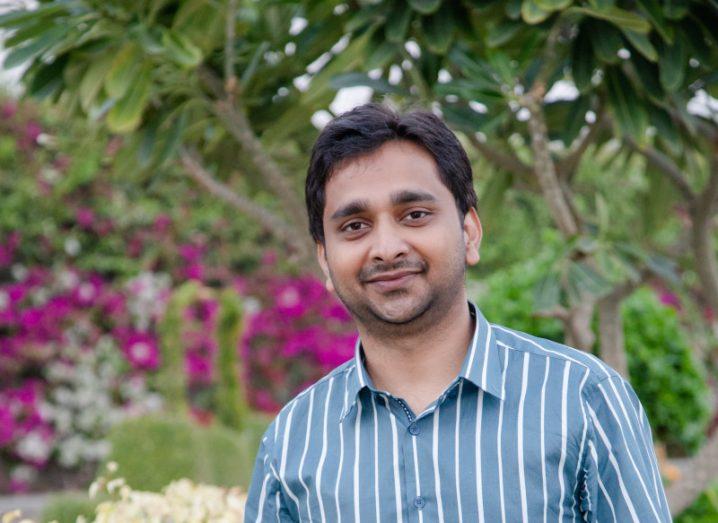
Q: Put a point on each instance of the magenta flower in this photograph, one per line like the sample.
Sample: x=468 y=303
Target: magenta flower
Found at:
x=85 y=217
x=7 y=425
x=161 y=224
x=140 y=349
x=8 y=110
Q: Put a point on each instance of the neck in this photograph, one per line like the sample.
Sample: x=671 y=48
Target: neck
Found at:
x=418 y=367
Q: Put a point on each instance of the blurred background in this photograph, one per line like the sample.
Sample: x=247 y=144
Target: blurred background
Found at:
x=159 y=300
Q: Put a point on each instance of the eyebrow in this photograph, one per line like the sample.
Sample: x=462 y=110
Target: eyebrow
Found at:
x=397 y=198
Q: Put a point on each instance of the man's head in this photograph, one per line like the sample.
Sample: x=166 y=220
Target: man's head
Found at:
x=392 y=208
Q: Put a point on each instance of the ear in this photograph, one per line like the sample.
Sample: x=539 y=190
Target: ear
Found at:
x=472 y=236
x=322 y=259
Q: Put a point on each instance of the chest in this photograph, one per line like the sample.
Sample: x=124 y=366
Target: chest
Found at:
x=472 y=455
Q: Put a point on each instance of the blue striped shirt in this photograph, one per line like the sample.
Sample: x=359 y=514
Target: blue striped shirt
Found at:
x=530 y=430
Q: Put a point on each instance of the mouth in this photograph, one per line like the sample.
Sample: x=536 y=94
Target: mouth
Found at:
x=389 y=281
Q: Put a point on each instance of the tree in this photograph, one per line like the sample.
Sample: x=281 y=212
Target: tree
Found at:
x=632 y=69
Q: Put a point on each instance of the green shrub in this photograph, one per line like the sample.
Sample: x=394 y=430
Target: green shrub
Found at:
x=664 y=372
x=153 y=451
x=703 y=510
x=506 y=297
x=67 y=507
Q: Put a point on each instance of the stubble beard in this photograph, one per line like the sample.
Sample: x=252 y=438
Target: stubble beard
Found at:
x=426 y=311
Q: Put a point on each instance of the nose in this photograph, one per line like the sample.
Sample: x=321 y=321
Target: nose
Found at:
x=388 y=244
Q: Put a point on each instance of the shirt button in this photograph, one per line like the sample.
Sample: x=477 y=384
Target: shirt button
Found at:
x=414 y=430
x=419 y=502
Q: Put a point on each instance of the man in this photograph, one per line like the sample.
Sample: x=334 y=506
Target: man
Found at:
x=440 y=416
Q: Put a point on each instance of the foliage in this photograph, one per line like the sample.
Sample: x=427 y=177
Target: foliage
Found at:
x=508 y=296
x=664 y=372
x=704 y=510
x=68 y=507
x=153 y=451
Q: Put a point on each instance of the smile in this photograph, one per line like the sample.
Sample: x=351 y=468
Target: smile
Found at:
x=392 y=281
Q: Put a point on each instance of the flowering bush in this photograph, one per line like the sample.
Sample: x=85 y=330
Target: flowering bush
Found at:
x=73 y=359
x=92 y=248
x=298 y=334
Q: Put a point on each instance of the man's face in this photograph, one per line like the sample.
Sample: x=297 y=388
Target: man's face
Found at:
x=395 y=246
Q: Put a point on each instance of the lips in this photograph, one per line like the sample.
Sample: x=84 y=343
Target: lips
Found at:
x=390 y=281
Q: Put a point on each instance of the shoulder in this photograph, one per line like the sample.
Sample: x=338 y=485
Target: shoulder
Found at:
x=591 y=370
x=300 y=408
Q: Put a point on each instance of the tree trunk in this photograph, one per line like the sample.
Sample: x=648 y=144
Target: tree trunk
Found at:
x=577 y=325
x=610 y=327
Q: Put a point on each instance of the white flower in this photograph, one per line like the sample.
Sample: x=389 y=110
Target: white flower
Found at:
x=72 y=246
x=33 y=447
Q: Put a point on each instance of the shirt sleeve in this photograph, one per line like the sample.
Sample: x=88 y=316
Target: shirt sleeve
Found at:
x=621 y=475
x=264 y=500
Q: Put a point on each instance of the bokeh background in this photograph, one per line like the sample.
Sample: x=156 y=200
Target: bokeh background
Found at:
x=159 y=299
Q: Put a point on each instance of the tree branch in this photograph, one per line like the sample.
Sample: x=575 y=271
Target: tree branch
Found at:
x=230 y=80
x=506 y=161
x=704 y=255
x=238 y=125
x=665 y=165
x=610 y=325
x=271 y=222
x=567 y=167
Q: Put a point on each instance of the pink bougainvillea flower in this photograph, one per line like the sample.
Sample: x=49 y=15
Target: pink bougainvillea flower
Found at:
x=8 y=110
x=32 y=131
x=670 y=299
x=190 y=252
x=198 y=367
x=161 y=224
x=194 y=271
x=7 y=425
x=85 y=217
x=140 y=349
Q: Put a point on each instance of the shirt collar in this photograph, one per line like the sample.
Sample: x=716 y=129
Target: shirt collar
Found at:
x=482 y=365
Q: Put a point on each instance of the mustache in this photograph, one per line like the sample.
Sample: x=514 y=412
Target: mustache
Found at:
x=369 y=272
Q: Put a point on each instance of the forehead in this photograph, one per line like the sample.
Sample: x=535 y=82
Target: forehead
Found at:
x=395 y=166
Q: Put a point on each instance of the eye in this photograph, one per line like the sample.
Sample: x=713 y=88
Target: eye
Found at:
x=417 y=215
x=353 y=227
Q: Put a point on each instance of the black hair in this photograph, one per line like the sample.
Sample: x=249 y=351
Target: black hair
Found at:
x=366 y=128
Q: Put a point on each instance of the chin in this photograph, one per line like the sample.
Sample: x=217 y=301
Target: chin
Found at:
x=401 y=313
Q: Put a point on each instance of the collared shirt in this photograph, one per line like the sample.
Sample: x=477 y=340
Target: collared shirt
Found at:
x=530 y=430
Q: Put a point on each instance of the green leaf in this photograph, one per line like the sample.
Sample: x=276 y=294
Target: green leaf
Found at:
x=356 y=79
x=583 y=60
x=34 y=48
x=425 y=7
x=666 y=129
x=382 y=55
x=617 y=16
x=47 y=80
x=173 y=140
x=642 y=44
x=28 y=32
x=126 y=115
x=503 y=32
x=93 y=79
x=607 y=41
x=672 y=65
x=513 y=9
x=466 y=119
x=397 y=23
x=531 y=13
x=366 y=16
x=630 y=113
x=654 y=12
x=553 y=5
x=123 y=71
x=181 y=50
x=547 y=293
x=584 y=279
x=17 y=18
x=439 y=30
x=675 y=9
x=648 y=77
